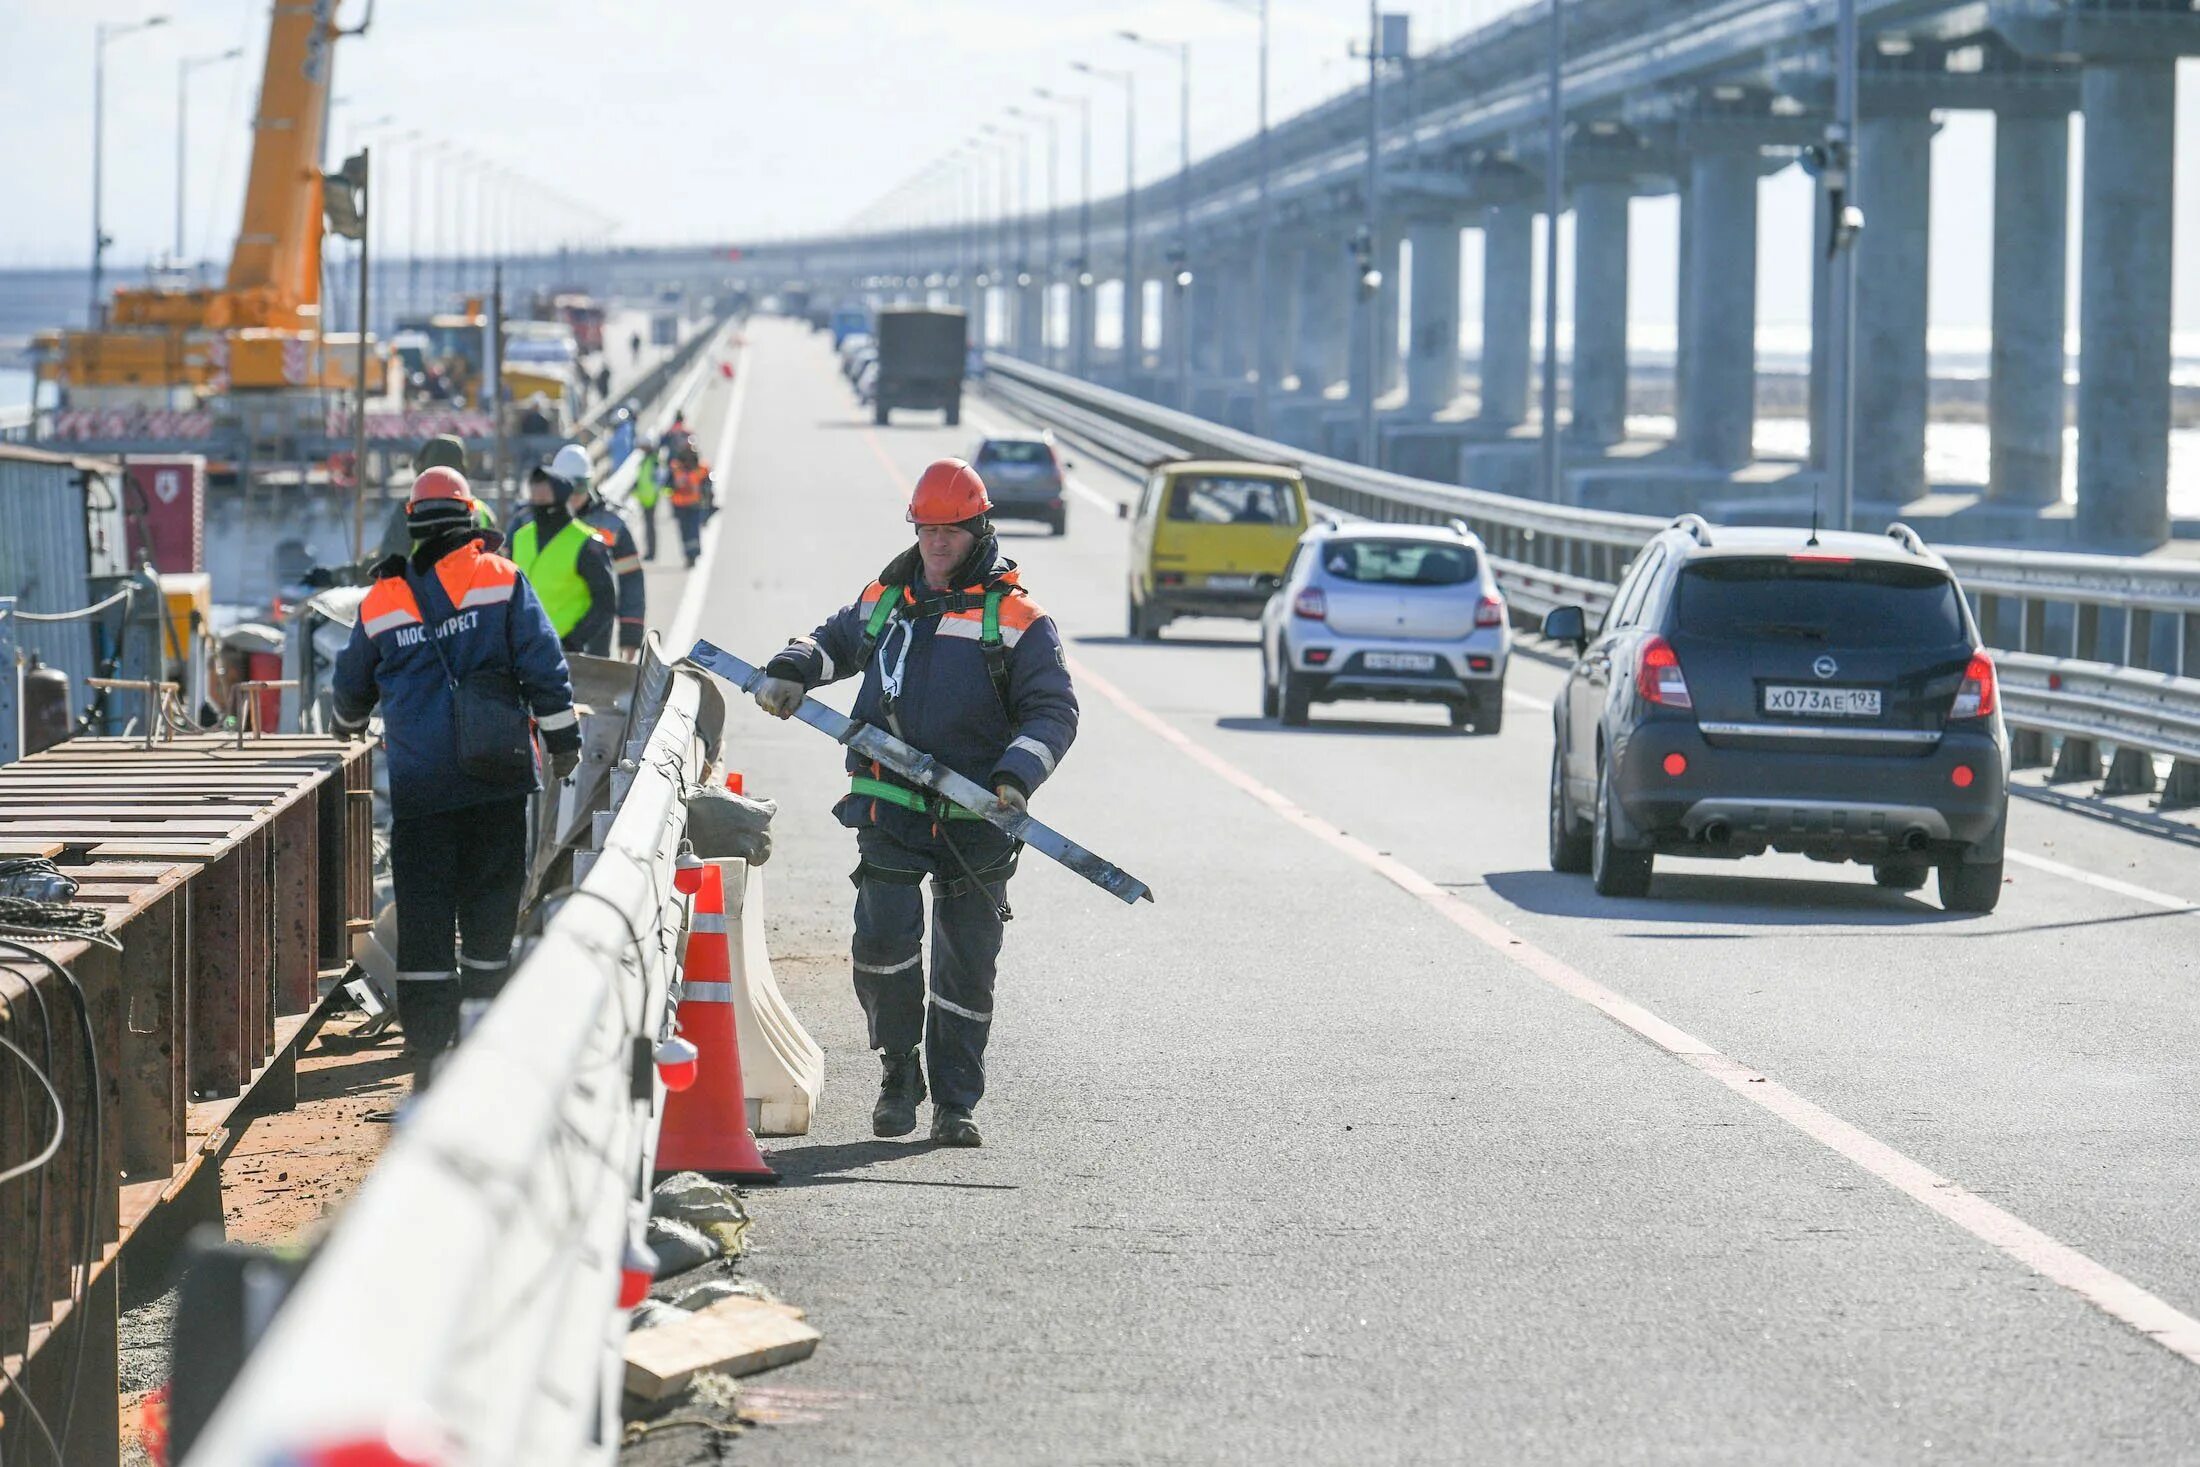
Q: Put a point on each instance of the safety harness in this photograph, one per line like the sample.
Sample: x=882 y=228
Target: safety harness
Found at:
x=995 y=652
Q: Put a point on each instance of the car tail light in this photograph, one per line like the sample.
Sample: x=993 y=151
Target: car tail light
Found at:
x=1491 y=612
x=1170 y=578
x=1317 y=657
x=1961 y=776
x=1479 y=663
x=1978 y=697
x=1311 y=604
x=1660 y=677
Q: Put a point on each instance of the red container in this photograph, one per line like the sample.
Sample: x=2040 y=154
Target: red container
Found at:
x=165 y=511
x=268 y=667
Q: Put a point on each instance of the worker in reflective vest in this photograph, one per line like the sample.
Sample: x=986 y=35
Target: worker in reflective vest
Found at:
x=447 y=610
x=569 y=562
x=957 y=660
x=647 y=490
x=694 y=495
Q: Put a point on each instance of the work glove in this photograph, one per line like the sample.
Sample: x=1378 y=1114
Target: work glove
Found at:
x=779 y=696
x=563 y=762
x=1012 y=797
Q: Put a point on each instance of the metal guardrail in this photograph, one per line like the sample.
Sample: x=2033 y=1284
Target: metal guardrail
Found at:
x=2139 y=612
x=468 y=1293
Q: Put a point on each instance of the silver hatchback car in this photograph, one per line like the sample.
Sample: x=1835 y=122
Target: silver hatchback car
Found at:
x=1407 y=613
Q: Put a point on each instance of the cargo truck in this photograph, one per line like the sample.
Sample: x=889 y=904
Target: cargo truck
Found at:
x=920 y=361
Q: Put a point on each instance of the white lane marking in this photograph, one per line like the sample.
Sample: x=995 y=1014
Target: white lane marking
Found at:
x=1526 y=700
x=2137 y=893
x=2106 y=1290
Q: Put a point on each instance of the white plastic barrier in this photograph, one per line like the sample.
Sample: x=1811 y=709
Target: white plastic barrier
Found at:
x=782 y=1068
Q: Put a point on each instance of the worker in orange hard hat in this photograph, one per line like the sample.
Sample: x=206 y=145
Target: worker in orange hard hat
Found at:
x=432 y=620
x=958 y=660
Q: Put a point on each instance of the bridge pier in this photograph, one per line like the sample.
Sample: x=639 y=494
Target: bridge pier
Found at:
x=2026 y=401
x=1600 y=314
x=2124 y=300
x=1280 y=314
x=1432 y=353
x=1320 y=340
x=1508 y=311
x=1131 y=323
x=1719 y=306
x=1387 y=303
x=1894 y=170
x=1081 y=323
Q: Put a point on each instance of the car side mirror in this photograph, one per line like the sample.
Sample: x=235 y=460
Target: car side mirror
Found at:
x=1122 y=511
x=1567 y=624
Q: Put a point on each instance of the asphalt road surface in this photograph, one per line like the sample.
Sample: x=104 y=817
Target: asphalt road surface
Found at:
x=1375 y=1141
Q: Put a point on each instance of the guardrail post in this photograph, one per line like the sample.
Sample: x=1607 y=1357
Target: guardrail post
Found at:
x=2032 y=633
x=2130 y=772
x=2029 y=749
x=2181 y=791
x=11 y=687
x=2085 y=632
x=2077 y=760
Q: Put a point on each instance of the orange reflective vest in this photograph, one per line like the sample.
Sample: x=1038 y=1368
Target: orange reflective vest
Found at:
x=687 y=485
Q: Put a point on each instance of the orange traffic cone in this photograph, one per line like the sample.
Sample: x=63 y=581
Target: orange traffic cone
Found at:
x=706 y=1126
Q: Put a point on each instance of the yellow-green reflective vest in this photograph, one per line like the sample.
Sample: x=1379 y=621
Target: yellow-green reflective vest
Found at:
x=646 y=487
x=555 y=571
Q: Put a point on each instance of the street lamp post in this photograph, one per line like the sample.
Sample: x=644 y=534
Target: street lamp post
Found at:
x=1554 y=200
x=1837 y=172
x=1046 y=279
x=1081 y=284
x=1134 y=289
x=184 y=69
x=1181 y=278
x=101 y=35
x=1370 y=281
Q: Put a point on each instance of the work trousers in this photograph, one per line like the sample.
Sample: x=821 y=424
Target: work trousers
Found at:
x=648 y=512
x=460 y=870
x=690 y=517
x=966 y=948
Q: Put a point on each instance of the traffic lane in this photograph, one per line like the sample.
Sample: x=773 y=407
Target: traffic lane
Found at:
x=916 y=449
x=1195 y=1260
x=2010 y=1051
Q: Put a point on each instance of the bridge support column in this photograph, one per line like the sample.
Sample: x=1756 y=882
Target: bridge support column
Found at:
x=1719 y=307
x=2025 y=400
x=1508 y=312
x=1030 y=318
x=1131 y=324
x=1894 y=179
x=1204 y=317
x=1600 y=313
x=1280 y=315
x=1325 y=316
x=1432 y=352
x=2124 y=301
x=1080 y=327
x=1389 y=366
x=1176 y=309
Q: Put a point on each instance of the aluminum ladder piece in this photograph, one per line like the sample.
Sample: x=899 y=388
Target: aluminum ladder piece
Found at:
x=928 y=773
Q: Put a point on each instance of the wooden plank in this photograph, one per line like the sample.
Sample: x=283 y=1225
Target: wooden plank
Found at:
x=733 y=1336
x=150 y=809
x=215 y=991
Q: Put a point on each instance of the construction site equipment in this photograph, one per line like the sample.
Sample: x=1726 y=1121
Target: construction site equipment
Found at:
x=261 y=329
x=231 y=879
x=928 y=773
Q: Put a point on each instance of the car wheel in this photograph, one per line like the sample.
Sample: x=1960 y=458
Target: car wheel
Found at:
x=1902 y=875
x=880 y=414
x=1293 y=697
x=1270 y=704
x=1617 y=873
x=1965 y=887
x=1460 y=714
x=1061 y=524
x=1489 y=710
x=1145 y=622
x=1569 y=841
x=955 y=416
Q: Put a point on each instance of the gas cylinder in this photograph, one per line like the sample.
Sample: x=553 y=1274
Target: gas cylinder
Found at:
x=46 y=717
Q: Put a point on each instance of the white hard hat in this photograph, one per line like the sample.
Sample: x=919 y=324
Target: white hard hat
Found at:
x=570 y=463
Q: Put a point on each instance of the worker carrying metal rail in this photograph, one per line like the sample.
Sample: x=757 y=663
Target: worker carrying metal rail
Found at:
x=568 y=559
x=694 y=500
x=958 y=660
x=453 y=614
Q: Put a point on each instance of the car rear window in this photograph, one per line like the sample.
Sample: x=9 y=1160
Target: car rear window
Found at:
x=1216 y=499
x=1398 y=562
x=1780 y=600
x=1013 y=451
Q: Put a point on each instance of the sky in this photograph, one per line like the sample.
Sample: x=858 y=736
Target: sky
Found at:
x=720 y=120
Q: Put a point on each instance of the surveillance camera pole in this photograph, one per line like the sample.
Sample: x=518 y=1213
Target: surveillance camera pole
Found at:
x=1836 y=179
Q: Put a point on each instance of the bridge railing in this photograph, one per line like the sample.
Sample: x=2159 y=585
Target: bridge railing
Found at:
x=2127 y=629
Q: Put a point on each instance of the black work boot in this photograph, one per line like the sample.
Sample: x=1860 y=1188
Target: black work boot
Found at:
x=427 y=1010
x=952 y=1126
x=900 y=1091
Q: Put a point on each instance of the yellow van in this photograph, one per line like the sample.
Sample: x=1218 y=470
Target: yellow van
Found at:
x=1211 y=539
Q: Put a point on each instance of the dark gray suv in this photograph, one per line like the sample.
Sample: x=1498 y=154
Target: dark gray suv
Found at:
x=1760 y=689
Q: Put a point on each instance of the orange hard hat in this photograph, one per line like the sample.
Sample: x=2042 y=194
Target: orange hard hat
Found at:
x=948 y=493
x=441 y=483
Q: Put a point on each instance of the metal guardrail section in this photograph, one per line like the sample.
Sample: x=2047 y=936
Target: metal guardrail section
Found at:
x=1547 y=555
x=470 y=1288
